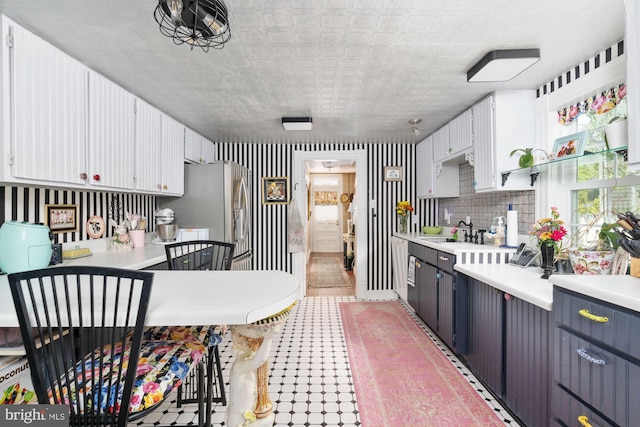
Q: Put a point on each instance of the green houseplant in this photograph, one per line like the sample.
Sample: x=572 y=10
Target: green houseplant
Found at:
x=526 y=159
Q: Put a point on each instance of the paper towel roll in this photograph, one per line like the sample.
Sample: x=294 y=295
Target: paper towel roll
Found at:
x=512 y=228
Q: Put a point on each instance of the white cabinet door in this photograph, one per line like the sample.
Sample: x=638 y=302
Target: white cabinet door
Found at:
x=111 y=134
x=441 y=148
x=484 y=165
x=173 y=136
x=632 y=46
x=47 y=90
x=148 y=147
x=424 y=168
x=208 y=151
x=460 y=133
x=192 y=146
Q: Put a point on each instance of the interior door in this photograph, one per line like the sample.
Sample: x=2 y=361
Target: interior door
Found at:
x=326 y=218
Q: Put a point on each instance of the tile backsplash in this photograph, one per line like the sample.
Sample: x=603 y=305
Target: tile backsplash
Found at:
x=483 y=207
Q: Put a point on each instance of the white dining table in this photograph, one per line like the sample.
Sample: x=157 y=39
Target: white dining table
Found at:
x=201 y=297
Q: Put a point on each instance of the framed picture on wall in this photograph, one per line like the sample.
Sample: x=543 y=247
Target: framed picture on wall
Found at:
x=393 y=173
x=61 y=218
x=568 y=146
x=275 y=190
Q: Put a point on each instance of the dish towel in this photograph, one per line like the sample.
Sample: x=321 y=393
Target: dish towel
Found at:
x=296 y=238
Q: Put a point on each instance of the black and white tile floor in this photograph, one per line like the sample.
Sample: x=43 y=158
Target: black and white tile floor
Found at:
x=310 y=382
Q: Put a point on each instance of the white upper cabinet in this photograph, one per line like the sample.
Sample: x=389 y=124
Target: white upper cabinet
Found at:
x=434 y=179
x=197 y=149
x=502 y=122
x=441 y=149
x=424 y=168
x=460 y=134
x=46 y=92
x=148 y=160
x=173 y=140
x=632 y=46
x=111 y=139
x=208 y=151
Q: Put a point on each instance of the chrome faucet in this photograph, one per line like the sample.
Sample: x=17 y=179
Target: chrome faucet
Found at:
x=467 y=237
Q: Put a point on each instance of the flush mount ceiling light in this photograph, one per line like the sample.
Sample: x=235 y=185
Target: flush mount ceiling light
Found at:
x=201 y=23
x=414 y=126
x=329 y=164
x=297 y=123
x=502 y=65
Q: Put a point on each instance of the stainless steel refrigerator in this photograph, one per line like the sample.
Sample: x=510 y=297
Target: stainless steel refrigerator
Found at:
x=218 y=196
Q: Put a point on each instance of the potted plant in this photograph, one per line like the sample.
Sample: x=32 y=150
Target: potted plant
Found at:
x=526 y=159
x=596 y=259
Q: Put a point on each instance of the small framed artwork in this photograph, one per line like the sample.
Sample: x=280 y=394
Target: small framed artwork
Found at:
x=95 y=227
x=61 y=218
x=275 y=190
x=569 y=146
x=393 y=173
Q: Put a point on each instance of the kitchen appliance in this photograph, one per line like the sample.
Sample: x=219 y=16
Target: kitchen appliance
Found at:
x=166 y=229
x=217 y=196
x=24 y=246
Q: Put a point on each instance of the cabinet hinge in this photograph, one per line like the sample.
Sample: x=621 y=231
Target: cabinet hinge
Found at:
x=9 y=40
x=11 y=159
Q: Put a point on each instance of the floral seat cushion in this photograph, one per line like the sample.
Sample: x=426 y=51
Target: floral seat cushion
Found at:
x=210 y=336
x=162 y=366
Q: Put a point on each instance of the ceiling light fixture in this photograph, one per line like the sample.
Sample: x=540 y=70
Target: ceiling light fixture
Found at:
x=297 y=123
x=201 y=23
x=414 y=126
x=502 y=65
x=329 y=164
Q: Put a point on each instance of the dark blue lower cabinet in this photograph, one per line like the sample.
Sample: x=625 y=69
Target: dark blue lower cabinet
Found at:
x=509 y=350
x=527 y=361
x=486 y=337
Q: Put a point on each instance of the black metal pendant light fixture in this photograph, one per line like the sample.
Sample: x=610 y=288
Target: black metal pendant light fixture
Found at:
x=201 y=23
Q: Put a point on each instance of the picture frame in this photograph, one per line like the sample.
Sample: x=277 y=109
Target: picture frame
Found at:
x=61 y=218
x=393 y=173
x=275 y=190
x=568 y=146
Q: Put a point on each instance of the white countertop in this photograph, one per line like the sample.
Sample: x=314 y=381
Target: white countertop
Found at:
x=523 y=283
x=450 y=247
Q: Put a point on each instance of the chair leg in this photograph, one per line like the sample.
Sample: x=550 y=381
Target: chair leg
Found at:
x=209 y=386
x=222 y=399
x=201 y=415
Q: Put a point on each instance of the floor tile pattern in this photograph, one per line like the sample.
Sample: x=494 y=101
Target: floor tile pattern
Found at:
x=310 y=379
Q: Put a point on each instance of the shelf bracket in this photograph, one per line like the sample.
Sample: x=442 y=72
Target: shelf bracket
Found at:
x=505 y=177
x=534 y=177
x=622 y=153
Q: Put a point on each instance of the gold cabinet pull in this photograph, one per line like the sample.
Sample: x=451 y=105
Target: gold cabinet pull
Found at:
x=600 y=319
x=584 y=421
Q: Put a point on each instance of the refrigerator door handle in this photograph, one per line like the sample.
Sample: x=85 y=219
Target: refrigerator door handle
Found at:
x=240 y=210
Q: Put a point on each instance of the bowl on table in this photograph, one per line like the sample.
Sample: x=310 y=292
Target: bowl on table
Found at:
x=432 y=229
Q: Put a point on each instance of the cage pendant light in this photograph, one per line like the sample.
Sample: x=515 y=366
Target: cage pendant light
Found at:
x=201 y=23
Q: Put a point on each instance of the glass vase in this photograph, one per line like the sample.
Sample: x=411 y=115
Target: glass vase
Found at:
x=547 y=252
x=402 y=224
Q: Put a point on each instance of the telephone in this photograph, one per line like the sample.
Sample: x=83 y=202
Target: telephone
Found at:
x=524 y=256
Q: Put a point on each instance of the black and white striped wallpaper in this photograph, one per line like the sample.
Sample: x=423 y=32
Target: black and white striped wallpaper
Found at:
x=270 y=221
x=27 y=204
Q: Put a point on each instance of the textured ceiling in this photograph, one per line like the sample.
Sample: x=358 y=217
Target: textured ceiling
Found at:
x=360 y=68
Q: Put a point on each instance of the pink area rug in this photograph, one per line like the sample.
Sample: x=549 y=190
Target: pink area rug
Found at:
x=401 y=377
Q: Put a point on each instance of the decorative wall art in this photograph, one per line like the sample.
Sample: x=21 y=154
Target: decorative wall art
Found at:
x=393 y=173
x=61 y=218
x=95 y=227
x=275 y=190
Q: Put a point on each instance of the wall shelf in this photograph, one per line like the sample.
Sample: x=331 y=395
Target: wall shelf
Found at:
x=534 y=171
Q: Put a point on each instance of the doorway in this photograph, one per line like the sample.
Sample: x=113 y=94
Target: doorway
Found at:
x=301 y=185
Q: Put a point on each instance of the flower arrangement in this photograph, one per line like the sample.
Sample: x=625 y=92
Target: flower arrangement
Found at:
x=454 y=233
x=403 y=208
x=549 y=230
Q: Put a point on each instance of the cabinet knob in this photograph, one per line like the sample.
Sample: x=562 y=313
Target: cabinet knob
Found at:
x=83 y=176
x=164 y=187
x=96 y=177
x=159 y=186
